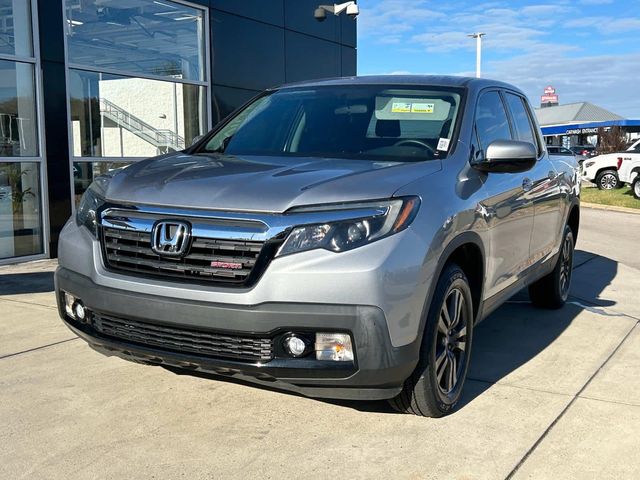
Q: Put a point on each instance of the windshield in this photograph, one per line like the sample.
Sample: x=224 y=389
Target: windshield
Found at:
x=354 y=121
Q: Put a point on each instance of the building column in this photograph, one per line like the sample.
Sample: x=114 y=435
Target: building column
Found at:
x=55 y=118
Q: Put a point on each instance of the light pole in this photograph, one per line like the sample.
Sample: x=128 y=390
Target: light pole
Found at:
x=478 y=36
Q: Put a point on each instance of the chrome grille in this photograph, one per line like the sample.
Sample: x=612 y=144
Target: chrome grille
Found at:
x=129 y=250
x=178 y=339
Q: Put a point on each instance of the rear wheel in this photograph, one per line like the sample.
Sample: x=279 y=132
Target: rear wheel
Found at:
x=435 y=387
x=552 y=290
x=636 y=187
x=607 y=180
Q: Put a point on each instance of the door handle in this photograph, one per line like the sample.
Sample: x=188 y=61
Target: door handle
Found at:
x=527 y=184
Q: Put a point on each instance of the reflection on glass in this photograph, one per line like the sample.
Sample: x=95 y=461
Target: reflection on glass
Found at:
x=18 y=127
x=85 y=172
x=147 y=36
x=115 y=116
x=15 y=28
x=20 y=216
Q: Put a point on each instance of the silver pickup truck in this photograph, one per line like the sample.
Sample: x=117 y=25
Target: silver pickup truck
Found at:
x=338 y=238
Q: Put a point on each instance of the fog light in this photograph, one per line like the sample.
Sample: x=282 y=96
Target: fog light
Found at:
x=69 y=301
x=334 y=346
x=295 y=346
x=79 y=310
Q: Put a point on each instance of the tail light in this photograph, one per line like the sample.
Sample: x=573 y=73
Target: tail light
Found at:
x=619 y=163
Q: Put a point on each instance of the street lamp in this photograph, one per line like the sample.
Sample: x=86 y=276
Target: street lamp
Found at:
x=350 y=8
x=478 y=36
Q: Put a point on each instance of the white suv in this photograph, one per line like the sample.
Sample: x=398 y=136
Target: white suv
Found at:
x=603 y=169
x=629 y=168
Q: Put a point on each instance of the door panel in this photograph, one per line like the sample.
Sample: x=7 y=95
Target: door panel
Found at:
x=548 y=209
x=509 y=215
x=503 y=202
x=544 y=191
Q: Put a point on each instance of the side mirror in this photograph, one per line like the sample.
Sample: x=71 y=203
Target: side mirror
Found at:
x=508 y=156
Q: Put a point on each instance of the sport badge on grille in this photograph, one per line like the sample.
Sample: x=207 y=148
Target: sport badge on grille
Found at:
x=170 y=238
x=227 y=265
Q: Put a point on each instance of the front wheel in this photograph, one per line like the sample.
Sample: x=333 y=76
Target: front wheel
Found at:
x=552 y=290
x=435 y=387
x=636 y=187
x=607 y=180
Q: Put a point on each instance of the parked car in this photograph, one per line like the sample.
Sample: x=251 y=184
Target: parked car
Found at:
x=585 y=150
x=602 y=171
x=629 y=169
x=556 y=150
x=635 y=187
x=338 y=238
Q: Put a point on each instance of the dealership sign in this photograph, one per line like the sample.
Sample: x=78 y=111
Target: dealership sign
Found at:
x=549 y=95
x=582 y=131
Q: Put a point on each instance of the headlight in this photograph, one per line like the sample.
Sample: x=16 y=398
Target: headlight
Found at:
x=393 y=216
x=589 y=164
x=91 y=201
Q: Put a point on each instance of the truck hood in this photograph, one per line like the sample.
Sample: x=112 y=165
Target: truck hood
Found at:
x=255 y=183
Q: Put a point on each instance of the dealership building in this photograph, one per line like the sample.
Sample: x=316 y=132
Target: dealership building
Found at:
x=578 y=123
x=90 y=85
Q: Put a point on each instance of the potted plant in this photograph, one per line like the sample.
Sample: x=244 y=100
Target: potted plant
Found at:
x=13 y=173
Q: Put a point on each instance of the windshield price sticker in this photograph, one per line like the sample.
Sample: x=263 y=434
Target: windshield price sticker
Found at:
x=401 y=107
x=422 y=107
x=404 y=107
x=443 y=144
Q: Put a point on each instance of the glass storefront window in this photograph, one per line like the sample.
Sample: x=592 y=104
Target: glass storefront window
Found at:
x=15 y=28
x=20 y=214
x=85 y=172
x=18 y=122
x=153 y=37
x=116 y=116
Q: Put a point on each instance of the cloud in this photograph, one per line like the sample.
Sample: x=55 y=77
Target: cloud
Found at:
x=606 y=81
x=606 y=25
x=532 y=46
x=596 y=2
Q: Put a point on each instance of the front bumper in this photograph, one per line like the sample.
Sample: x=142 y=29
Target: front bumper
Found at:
x=378 y=371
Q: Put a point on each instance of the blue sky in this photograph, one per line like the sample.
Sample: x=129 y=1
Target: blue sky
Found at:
x=587 y=49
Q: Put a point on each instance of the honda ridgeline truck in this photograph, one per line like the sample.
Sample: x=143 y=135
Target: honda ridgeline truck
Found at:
x=338 y=238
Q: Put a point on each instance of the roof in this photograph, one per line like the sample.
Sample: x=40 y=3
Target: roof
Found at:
x=423 y=80
x=589 y=127
x=572 y=113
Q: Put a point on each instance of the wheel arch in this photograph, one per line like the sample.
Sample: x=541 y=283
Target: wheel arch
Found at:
x=611 y=168
x=467 y=251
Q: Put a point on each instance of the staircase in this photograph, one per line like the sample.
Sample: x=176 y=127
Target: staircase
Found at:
x=164 y=140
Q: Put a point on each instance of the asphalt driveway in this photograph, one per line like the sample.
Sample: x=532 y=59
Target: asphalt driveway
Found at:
x=551 y=395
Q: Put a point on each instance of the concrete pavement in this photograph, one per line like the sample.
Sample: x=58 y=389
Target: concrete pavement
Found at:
x=550 y=395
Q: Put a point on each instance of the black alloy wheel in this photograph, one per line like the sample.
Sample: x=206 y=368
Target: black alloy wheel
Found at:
x=451 y=341
x=552 y=290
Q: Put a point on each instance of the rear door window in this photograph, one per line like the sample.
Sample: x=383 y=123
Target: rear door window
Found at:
x=492 y=122
x=521 y=120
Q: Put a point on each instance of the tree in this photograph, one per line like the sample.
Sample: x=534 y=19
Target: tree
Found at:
x=611 y=140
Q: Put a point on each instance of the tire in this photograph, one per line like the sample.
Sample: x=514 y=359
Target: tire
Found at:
x=635 y=188
x=552 y=290
x=607 y=180
x=435 y=386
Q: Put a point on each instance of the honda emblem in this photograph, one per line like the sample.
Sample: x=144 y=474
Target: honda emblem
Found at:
x=170 y=238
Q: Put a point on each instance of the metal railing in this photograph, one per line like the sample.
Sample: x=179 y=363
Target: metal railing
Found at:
x=163 y=139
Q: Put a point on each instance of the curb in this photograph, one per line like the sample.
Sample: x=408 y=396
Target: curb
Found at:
x=610 y=208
